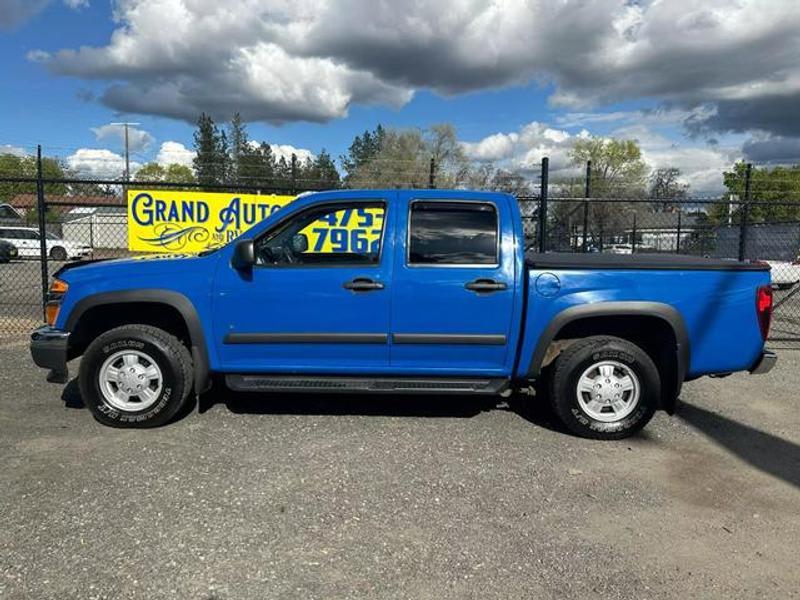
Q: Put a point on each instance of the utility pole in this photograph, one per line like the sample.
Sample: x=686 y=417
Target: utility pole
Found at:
x=127 y=175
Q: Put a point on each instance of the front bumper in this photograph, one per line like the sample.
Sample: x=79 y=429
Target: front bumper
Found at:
x=49 y=351
x=764 y=363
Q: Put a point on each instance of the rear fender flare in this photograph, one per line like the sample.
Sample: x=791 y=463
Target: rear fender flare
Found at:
x=659 y=310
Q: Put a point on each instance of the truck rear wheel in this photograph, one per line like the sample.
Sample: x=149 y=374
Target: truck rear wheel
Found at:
x=604 y=388
x=135 y=376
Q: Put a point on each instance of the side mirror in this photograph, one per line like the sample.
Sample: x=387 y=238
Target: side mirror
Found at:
x=244 y=256
x=299 y=243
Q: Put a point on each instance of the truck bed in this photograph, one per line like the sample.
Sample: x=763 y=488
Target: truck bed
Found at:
x=661 y=262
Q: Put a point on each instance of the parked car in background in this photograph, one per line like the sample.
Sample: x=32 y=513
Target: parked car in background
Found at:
x=620 y=249
x=431 y=293
x=27 y=242
x=8 y=251
x=785 y=274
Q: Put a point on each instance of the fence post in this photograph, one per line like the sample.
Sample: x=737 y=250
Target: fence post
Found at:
x=633 y=235
x=432 y=174
x=743 y=216
x=543 y=206
x=678 y=237
x=41 y=208
x=587 y=194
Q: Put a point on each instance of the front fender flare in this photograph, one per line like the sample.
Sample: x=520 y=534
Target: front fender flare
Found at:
x=177 y=301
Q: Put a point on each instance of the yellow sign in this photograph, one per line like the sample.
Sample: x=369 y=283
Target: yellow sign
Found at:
x=189 y=221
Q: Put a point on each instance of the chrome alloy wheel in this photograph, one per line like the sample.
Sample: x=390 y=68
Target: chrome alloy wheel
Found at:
x=608 y=391
x=130 y=381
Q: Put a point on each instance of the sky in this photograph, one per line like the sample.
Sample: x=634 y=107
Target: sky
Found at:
x=699 y=85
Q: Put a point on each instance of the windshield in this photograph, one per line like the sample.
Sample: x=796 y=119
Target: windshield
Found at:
x=51 y=236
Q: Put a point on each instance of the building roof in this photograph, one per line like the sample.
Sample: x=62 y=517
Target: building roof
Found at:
x=665 y=220
x=26 y=201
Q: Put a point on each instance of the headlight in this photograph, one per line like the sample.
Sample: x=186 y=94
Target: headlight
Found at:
x=57 y=290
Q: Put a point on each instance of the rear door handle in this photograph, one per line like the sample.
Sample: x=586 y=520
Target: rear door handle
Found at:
x=486 y=285
x=362 y=284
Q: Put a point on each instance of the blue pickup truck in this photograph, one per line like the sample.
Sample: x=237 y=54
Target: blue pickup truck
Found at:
x=438 y=297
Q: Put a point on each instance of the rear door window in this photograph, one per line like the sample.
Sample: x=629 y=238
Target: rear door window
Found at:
x=453 y=233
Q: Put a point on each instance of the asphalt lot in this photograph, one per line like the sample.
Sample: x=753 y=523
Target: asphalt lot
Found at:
x=387 y=497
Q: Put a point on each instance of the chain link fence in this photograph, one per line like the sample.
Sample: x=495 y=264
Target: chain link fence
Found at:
x=45 y=223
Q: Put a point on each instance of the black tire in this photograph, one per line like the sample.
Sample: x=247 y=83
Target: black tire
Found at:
x=58 y=253
x=580 y=356
x=164 y=349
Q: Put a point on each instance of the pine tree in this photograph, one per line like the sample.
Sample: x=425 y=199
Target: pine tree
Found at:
x=324 y=174
x=212 y=161
x=362 y=150
x=240 y=147
x=205 y=148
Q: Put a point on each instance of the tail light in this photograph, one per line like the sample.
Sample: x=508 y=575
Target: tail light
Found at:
x=764 y=309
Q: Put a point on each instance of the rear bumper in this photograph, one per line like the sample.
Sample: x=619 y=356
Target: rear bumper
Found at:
x=49 y=351
x=764 y=363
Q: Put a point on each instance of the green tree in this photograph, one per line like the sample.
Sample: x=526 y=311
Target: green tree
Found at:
x=282 y=177
x=618 y=173
x=362 y=150
x=12 y=165
x=511 y=182
x=776 y=188
x=402 y=161
x=176 y=173
x=151 y=171
x=451 y=166
x=257 y=166
x=240 y=148
x=211 y=162
x=172 y=173
x=319 y=173
x=618 y=170
x=666 y=189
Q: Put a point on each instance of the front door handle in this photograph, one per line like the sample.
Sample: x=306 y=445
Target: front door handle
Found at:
x=363 y=284
x=486 y=285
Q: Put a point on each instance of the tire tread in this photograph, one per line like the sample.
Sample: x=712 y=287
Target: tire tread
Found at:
x=180 y=354
x=563 y=368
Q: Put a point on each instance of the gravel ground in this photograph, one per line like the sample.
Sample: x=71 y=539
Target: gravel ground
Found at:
x=387 y=497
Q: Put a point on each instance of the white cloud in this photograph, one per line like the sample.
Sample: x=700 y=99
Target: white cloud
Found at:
x=138 y=139
x=524 y=149
x=15 y=150
x=77 y=4
x=701 y=164
x=498 y=146
x=175 y=152
x=99 y=163
x=38 y=56
x=286 y=151
x=277 y=61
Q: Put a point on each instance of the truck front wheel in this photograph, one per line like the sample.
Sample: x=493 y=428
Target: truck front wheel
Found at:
x=135 y=376
x=604 y=388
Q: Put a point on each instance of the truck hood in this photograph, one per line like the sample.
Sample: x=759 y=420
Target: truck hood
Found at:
x=137 y=266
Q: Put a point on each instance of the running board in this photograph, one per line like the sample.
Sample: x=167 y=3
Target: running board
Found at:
x=390 y=385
